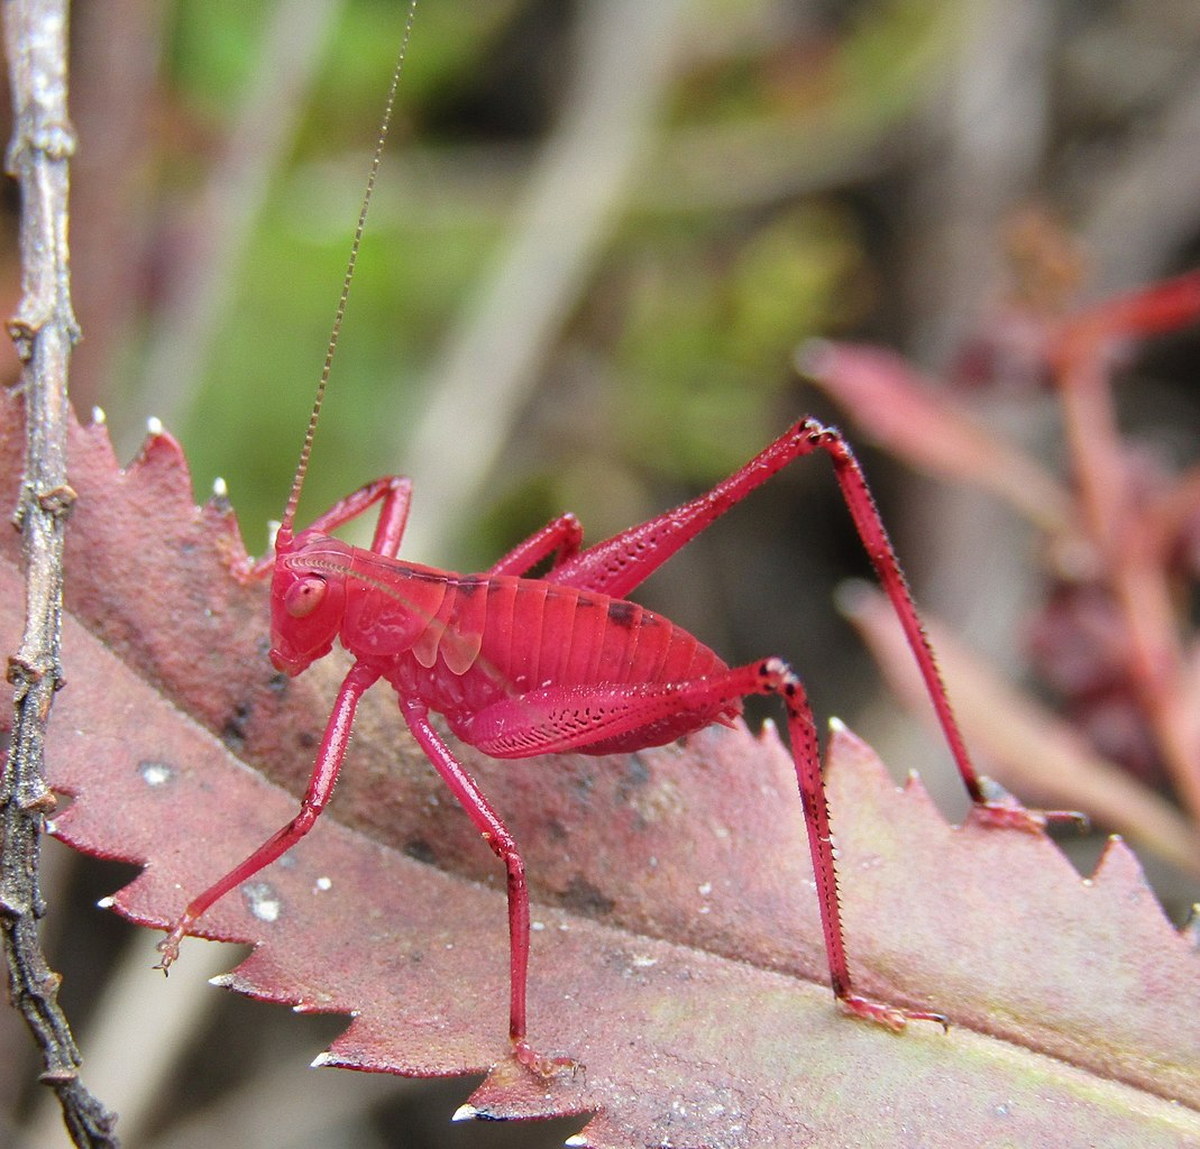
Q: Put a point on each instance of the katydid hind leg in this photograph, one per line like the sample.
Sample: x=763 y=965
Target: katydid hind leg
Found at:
x=619 y=564
x=777 y=678
x=993 y=806
x=559 y=720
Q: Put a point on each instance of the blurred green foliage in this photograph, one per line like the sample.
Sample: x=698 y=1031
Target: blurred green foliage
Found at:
x=711 y=321
x=689 y=316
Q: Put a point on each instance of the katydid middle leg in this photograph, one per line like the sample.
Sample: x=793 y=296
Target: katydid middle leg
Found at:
x=497 y=835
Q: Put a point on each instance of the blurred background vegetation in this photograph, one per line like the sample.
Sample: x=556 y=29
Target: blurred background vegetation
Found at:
x=602 y=230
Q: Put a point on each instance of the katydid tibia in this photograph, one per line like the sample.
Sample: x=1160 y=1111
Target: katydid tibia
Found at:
x=520 y=666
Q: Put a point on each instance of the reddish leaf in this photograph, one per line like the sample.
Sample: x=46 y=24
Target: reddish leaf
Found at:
x=1031 y=750
x=679 y=955
x=1166 y=305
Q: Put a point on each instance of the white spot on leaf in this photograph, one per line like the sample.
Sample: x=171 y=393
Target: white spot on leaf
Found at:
x=155 y=773
x=262 y=901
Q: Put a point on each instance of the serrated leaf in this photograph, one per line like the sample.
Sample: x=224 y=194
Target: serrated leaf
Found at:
x=678 y=954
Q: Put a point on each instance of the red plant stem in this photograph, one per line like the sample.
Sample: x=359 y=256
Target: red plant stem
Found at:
x=1131 y=559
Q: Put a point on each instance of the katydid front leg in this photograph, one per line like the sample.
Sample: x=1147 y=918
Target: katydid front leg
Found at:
x=392 y=492
x=320 y=787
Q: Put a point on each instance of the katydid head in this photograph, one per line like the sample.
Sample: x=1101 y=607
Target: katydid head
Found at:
x=308 y=600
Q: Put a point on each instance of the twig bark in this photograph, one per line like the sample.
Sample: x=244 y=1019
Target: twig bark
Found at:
x=44 y=331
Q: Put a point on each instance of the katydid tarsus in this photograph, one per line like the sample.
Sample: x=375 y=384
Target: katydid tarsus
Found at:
x=563 y=663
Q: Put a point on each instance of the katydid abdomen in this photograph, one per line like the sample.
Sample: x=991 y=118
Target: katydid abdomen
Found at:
x=519 y=666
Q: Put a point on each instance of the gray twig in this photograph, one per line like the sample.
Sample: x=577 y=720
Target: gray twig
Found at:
x=44 y=331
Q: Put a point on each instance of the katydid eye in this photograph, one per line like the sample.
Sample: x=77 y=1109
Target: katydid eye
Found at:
x=303 y=597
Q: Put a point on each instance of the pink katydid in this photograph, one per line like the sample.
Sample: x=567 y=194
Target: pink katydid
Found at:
x=520 y=666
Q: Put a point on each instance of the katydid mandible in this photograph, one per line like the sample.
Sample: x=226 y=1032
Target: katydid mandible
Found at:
x=563 y=663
